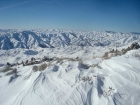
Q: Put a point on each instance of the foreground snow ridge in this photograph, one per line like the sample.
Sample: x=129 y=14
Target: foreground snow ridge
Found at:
x=114 y=81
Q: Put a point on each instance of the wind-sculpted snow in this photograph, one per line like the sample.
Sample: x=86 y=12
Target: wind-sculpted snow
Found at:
x=75 y=72
x=10 y=39
x=68 y=80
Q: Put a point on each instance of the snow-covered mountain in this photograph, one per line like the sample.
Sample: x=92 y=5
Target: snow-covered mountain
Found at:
x=74 y=72
x=10 y=39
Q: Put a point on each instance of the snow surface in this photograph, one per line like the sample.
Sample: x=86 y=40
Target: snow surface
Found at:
x=114 y=81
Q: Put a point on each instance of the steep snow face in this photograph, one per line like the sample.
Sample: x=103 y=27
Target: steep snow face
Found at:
x=10 y=39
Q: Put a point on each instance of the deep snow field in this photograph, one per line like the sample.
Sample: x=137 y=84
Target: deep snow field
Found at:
x=114 y=81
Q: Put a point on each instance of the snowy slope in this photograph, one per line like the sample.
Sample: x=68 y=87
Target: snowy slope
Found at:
x=115 y=81
x=77 y=75
x=10 y=39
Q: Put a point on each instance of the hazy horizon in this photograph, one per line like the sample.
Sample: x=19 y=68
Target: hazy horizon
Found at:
x=82 y=15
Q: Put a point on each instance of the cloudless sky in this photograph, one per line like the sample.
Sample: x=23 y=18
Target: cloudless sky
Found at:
x=85 y=15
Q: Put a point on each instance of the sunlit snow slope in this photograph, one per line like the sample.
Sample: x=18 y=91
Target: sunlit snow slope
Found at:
x=77 y=75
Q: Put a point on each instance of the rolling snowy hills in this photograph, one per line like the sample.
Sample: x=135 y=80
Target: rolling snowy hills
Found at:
x=77 y=74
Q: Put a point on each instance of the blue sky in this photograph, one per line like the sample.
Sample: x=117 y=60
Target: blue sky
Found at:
x=85 y=15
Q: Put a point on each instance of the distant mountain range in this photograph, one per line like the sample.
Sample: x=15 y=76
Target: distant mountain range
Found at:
x=10 y=39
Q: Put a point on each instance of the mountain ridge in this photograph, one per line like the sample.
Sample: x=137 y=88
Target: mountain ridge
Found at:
x=10 y=39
